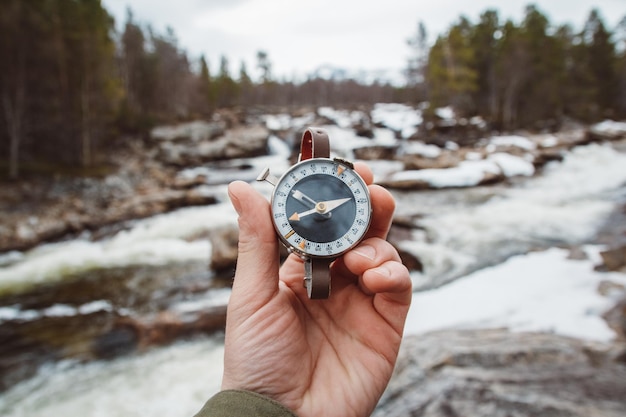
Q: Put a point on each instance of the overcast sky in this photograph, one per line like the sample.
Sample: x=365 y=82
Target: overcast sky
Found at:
x=300 y=36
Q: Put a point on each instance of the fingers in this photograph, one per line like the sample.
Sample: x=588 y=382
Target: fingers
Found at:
x=379 y=269
x=383 y=206
x=365 y=172
x=375 y=267
x=256 y=276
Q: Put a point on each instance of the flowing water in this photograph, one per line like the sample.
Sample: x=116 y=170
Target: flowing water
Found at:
x=153 y=264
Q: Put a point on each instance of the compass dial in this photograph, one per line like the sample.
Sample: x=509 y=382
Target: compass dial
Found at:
x=321 y=207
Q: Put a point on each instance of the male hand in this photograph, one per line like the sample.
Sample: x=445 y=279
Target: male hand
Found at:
x=331 y=357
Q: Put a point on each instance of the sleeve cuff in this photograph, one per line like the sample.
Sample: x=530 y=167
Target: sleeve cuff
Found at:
x=239 y=403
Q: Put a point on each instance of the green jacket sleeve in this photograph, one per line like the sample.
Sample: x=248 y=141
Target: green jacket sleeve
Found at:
x=235 y=403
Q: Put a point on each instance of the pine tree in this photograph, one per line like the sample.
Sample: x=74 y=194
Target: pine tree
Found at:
x=602 y=62
x=450 y=73
x=484 y=39
x=417 y=64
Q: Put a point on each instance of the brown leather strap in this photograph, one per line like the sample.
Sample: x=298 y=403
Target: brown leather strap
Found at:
x=315 y=144
x=317 y=280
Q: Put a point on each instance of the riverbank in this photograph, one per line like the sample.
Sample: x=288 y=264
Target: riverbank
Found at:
x=127 y=289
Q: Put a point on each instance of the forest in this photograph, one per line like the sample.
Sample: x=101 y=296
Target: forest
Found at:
x=72 y=87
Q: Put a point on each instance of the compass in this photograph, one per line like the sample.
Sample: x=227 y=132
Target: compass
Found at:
x=321 y=209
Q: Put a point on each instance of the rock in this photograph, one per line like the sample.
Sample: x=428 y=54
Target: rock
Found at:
x=195 y=131
x=246 y=142
x=161 y=329
x=240 y=142
x=224 y=241
x=497 y=373
x=27 y=233
x=616 y=319
x=375 y=153
x=121 y=340
x=543 y=156
x=187 y=183
x=616 y=316
x=364 y=130
x=409 y=260
x=607 y=131
x=363 y=126
x=607 y=288
x=465 y=175
x=444 y=160
x=613 y=259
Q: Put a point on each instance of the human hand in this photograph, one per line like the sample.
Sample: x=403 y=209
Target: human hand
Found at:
x=331 y=357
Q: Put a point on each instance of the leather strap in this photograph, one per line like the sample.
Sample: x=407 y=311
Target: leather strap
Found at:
x=314 y=144
x=317 y=277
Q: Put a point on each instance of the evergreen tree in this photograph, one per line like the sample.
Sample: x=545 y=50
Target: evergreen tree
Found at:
x=205 y=98
x=511 y=73
x=620 y=49
x=450 y=73
x=416 y=68
x=601 y=61
x=541 y=99
x=14 y=38
x=245 y=85
x=484 y=39
x=226 y=87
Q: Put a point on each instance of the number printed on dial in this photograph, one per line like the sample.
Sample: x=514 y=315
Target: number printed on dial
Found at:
x=321 y=207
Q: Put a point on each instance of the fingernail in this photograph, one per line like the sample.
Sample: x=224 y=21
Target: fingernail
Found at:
x=366 y=251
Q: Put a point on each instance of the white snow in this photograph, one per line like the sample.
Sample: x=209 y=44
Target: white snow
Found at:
x=610 y=127
x=541 y=291
x=513 y=140
x=446 y=113
x=470 y=172
x=398 y=117
x=565 y=205
x=16 y=313
x=277 y=121
x=511 y=165
x=421 y=148
x=466 y=174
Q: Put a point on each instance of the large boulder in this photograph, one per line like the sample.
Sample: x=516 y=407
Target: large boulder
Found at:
x=239 y=142
x=607 y=130
x=497 y=373
x=196 y=131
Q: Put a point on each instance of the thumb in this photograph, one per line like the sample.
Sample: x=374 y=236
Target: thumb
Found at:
x=256 y=276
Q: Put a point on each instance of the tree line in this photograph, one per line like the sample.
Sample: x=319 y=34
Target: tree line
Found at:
x=72 y=86
x=526 y=75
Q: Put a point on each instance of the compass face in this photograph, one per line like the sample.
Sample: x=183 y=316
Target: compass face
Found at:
x=321 y=207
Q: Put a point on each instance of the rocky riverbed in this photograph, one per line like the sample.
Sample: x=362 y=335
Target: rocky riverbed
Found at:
x=99 y=269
